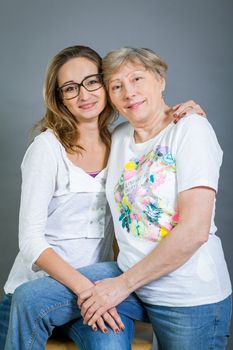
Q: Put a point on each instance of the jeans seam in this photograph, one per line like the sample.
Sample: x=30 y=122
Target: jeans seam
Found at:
x=80 y=338
x=216 y=321
x=41 y=316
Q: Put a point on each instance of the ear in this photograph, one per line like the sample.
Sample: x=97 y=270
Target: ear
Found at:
x=163 y=84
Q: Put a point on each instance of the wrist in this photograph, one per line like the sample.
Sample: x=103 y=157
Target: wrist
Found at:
x=125 y=282
x=82 y=285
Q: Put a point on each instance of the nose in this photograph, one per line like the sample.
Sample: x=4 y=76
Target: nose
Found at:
x=128 y=91
x=83 y=93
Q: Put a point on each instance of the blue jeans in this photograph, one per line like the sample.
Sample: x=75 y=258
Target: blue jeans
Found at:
x=41 y=305
x=38 y=306
x=204 y=327
x=5 y=307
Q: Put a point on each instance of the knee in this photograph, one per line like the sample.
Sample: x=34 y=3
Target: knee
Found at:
x=26 y=295
x=22 y=296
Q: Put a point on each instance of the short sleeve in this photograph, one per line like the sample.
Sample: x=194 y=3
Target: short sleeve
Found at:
x=199 y=155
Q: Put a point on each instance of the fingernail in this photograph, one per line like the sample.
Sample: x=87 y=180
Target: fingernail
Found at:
x=105 y=330
x=175 y=115
x=95 y=329
x=174 y=121
x=122 y=328
x=117 y=330
x=84 y=322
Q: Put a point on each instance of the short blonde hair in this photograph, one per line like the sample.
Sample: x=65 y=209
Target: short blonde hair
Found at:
x=146 y=57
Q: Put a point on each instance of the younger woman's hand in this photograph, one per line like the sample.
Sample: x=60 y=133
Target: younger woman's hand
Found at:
x=183 y=109
x=112 y=318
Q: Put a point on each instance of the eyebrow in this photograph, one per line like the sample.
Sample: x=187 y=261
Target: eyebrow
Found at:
x=67 y=83
x=75 y=82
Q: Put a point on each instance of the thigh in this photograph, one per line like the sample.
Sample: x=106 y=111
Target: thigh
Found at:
x=202 y=327
x=44 y=299
x=87 y=339
x=222 y=324
x=47 y=297
x=5 y=307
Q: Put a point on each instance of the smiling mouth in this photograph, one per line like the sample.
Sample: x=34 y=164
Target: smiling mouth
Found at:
x=87 y=106
x=135 y=105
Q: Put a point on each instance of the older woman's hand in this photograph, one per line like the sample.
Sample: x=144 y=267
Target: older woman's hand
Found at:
x=106 y=294
x=189 y=107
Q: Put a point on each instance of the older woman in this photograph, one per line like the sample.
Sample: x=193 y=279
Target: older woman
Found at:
x=161 y=188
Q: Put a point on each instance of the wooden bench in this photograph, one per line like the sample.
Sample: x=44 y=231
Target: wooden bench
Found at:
x=142 y=340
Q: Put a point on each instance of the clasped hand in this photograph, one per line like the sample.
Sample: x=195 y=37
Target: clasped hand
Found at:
x=102 y=297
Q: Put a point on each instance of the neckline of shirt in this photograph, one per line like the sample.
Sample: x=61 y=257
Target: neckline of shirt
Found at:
x=101 y=174
x=93 y=173
x=142 y=145
x=79 y=169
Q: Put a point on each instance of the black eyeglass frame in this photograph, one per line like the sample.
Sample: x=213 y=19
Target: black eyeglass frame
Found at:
x=81 y=84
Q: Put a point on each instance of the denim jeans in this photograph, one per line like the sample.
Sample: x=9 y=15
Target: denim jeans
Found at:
x=5 y=306
x=38 y=306
x=41 y=305
x=204 y=327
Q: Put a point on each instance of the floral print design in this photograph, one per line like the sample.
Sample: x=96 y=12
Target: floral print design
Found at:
x=143 y=212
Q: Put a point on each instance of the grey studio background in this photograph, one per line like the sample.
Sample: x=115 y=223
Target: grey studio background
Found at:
x=194 y=37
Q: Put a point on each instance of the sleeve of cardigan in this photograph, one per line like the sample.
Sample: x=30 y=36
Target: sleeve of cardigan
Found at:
x=39 y=168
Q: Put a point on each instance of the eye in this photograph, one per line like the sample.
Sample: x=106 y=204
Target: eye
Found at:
x=116 y=87
x=93 y=81
x=69 y=88
x=137 y=78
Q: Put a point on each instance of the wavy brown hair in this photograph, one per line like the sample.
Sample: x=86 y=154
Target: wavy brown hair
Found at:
x=57 y=117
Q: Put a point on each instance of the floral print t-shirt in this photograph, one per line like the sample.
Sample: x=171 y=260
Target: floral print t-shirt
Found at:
x=143 y=212
x=142 y=189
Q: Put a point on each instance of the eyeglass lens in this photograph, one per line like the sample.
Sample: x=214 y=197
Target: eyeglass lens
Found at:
x=90 y=83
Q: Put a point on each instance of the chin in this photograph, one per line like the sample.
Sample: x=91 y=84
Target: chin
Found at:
x=136 y=118
x=88 y=117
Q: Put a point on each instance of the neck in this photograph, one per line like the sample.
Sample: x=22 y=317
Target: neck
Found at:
x=88 y=133
x=152 y=126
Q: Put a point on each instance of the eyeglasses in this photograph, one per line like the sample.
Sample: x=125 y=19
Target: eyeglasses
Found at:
x=90 y=83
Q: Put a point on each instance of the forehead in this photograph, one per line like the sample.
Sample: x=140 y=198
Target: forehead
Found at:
x=126 y=68
x=76 y=69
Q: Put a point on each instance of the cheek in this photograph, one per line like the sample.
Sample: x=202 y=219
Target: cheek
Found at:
x=156 y=96
x=115 y=101
x=64 y=102
x=70 y=105
x=102 y=97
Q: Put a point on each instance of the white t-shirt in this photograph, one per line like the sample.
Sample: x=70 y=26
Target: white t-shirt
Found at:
x=61 y=207
x=142 y=187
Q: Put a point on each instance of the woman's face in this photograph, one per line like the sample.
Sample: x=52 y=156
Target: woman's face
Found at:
x=136 y=93
x=88 y=104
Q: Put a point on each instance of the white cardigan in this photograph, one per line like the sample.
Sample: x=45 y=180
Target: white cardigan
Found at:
x=61 y=207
